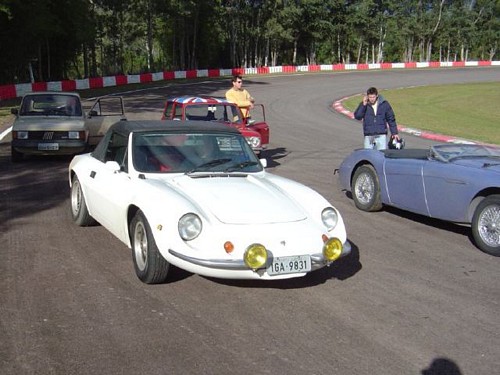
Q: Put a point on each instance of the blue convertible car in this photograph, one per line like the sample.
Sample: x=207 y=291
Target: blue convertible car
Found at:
x=454 y=182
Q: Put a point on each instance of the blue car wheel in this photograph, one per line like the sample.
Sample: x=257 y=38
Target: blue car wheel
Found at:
x=366 y=189
x=486 y=225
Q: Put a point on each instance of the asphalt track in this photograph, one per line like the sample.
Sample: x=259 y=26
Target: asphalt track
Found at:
x=415 y=297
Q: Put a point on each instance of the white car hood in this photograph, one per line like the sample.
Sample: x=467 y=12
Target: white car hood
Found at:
x=52 y=123
x=240 y=200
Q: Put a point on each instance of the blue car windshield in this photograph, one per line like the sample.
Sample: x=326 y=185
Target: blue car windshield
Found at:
x=449 y=152
x=189 y=153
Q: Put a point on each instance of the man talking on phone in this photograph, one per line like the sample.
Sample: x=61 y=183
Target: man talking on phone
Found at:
x=377 y=114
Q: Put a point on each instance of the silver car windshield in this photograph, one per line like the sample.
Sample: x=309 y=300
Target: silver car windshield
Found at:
x=191 y=153
x=51 y=105
x=449 y=152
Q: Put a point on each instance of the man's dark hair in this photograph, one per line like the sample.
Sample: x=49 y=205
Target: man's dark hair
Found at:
x=372 y=91
x=236 y=77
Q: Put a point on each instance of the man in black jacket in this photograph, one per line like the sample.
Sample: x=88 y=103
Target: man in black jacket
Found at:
x=376 y=113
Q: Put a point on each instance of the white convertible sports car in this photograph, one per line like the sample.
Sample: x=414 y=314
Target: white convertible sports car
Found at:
x=195 y=196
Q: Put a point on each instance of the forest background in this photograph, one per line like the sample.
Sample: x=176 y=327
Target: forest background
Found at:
x=48 y=40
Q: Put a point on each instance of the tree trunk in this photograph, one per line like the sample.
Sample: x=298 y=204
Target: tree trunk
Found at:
x=40 y=74
x=380 y=54
x=294 y=60
x=48 y=58
x=360 y=47
x=339 y=50
x=266 y=56
x=149 y=37
x=193 y=64
x=493 y=51
x=85 y=60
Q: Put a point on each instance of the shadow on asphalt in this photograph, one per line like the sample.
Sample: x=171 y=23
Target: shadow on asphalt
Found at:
x=272 y=155
x=429 y=221
x=32 y=185
x=442 y=366
x=342 y=269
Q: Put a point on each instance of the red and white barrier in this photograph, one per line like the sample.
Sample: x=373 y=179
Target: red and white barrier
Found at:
x=18 y=90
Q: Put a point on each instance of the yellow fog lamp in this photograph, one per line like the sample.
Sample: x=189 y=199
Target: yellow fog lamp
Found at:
x=255 y=256
x=332 y=249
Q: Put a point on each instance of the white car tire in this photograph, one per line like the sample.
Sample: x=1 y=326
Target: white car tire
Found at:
x=149 y=264
x=79 y=210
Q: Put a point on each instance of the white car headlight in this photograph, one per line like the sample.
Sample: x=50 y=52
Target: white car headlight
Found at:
x=254 y=142
x=329 y=217
x=189 y=226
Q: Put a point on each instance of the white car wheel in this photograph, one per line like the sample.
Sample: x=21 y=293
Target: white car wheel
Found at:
x=79 y=211
x=149 y=264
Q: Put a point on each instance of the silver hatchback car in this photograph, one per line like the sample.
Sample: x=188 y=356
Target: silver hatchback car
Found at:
x=49 y=123
x=55 y=123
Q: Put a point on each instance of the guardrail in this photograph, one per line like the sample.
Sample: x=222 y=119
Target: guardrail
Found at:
x=18 y=90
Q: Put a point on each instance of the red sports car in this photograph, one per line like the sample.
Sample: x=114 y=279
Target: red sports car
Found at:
x=204 y=108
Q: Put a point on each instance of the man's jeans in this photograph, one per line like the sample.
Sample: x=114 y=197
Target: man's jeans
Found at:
x=378 y=142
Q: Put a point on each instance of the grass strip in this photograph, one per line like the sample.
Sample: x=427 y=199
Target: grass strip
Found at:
x=466 y=111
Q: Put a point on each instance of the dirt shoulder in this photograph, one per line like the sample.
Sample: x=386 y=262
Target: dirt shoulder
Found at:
x=5 y=122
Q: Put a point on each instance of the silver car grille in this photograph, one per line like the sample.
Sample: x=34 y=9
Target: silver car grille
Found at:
x=47 y=136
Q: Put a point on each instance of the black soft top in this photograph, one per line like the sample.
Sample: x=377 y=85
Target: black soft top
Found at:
x=174 y=126
x=125 y=127
x=407 y=153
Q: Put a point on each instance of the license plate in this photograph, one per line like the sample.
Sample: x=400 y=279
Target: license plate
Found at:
x=294 y=264
x=48 y=146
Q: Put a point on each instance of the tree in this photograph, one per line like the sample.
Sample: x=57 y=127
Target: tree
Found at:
x=58 y=39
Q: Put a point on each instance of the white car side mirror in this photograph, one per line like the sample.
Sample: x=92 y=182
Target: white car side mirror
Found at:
x=263 y=162
x=113 y=166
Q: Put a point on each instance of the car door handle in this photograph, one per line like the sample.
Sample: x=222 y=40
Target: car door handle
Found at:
x=92 y=174
x=456 y=182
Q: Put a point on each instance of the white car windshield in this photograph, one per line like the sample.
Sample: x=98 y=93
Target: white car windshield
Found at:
x=449 y=152
x=190 y=153
x=51 y=105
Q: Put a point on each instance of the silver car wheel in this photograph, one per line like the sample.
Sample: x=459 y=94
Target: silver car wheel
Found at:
x=489 y=225
x=78 y=206
x=150 y=266
x=364 y=188
x=140 y=245
x=76 y=197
